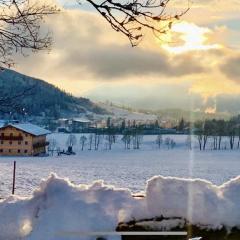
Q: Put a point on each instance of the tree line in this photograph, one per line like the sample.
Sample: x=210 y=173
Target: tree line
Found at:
x=216 y=130
x=96 y=141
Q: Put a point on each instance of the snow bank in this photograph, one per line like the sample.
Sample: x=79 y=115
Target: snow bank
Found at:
x=59 y=207
x=198 y=201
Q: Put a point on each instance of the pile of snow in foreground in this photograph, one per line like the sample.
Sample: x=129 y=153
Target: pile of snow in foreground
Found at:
x=59 y=207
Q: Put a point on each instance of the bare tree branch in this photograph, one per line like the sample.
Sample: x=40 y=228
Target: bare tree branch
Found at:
x=21 y=21
x=20 y=25
x=132 y=17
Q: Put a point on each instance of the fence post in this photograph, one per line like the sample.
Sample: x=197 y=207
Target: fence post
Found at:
x=14 y=176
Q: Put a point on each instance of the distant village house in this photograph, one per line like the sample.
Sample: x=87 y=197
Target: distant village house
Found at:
x=73 y=124
x=22 y=139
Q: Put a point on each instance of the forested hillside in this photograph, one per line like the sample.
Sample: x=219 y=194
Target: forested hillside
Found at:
x=43 y=98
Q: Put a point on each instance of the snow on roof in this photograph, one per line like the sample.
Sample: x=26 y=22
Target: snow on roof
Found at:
x=83 y=120
x=30 y=128
x=62 y=119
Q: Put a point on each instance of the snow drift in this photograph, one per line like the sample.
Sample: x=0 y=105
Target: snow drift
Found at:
x=58 y=207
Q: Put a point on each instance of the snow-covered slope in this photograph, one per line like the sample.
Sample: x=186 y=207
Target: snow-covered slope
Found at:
x=122 y=113
x=59 y=210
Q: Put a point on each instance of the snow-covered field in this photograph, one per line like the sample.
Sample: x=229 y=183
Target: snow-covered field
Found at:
x=119 y=167
x=60 y=209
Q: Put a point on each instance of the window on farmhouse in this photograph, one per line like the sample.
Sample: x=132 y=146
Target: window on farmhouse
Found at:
x=19 y=150
x=26 y=143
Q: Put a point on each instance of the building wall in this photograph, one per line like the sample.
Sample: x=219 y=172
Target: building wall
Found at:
x=15 y=147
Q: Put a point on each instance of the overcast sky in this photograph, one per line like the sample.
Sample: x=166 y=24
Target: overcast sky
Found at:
x=89 y=59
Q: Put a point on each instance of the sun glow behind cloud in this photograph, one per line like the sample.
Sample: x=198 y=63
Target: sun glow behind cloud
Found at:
x=197 y=62
x=191 y=36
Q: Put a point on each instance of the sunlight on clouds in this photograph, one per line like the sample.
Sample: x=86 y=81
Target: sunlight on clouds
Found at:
x=192 y=38
x=89 y=59
x=211 y=86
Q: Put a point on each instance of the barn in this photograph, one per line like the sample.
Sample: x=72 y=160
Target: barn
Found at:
x=22 y=139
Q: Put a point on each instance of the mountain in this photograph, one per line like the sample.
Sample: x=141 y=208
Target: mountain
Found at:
x=44 y=99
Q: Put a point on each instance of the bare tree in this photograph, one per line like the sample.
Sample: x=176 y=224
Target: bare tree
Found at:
x=21 y=21
x=199 y=133
x=167 y=142
x=97 y=140
x=109 y=141
x=83 y=140
x=231 y=133
x=71 y=141
x=221 y=130
x=172 y=143
x=208 y=129
x=20 y=28
x=90 y=141
x=139 y=140
x=159 y=140
x=20 y=31
x=238 y=130
x=132 y=17
x=126 y=139
x=52 y=145
x=188 y=142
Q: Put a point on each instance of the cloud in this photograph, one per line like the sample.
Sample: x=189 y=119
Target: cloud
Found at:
x=217 y=5
x=154 y=96
x=82 y=47
x=231 y=68
x=87 y=55
x=114 y=62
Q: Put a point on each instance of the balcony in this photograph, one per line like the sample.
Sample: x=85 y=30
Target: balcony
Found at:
x=40 y=144
x=11 y=138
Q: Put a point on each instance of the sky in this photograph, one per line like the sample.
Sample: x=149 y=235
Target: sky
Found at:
x=194 y=66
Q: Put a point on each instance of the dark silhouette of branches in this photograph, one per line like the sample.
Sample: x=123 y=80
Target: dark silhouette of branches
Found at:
x=132 y=17
x=12 y=103
x=20 y=22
